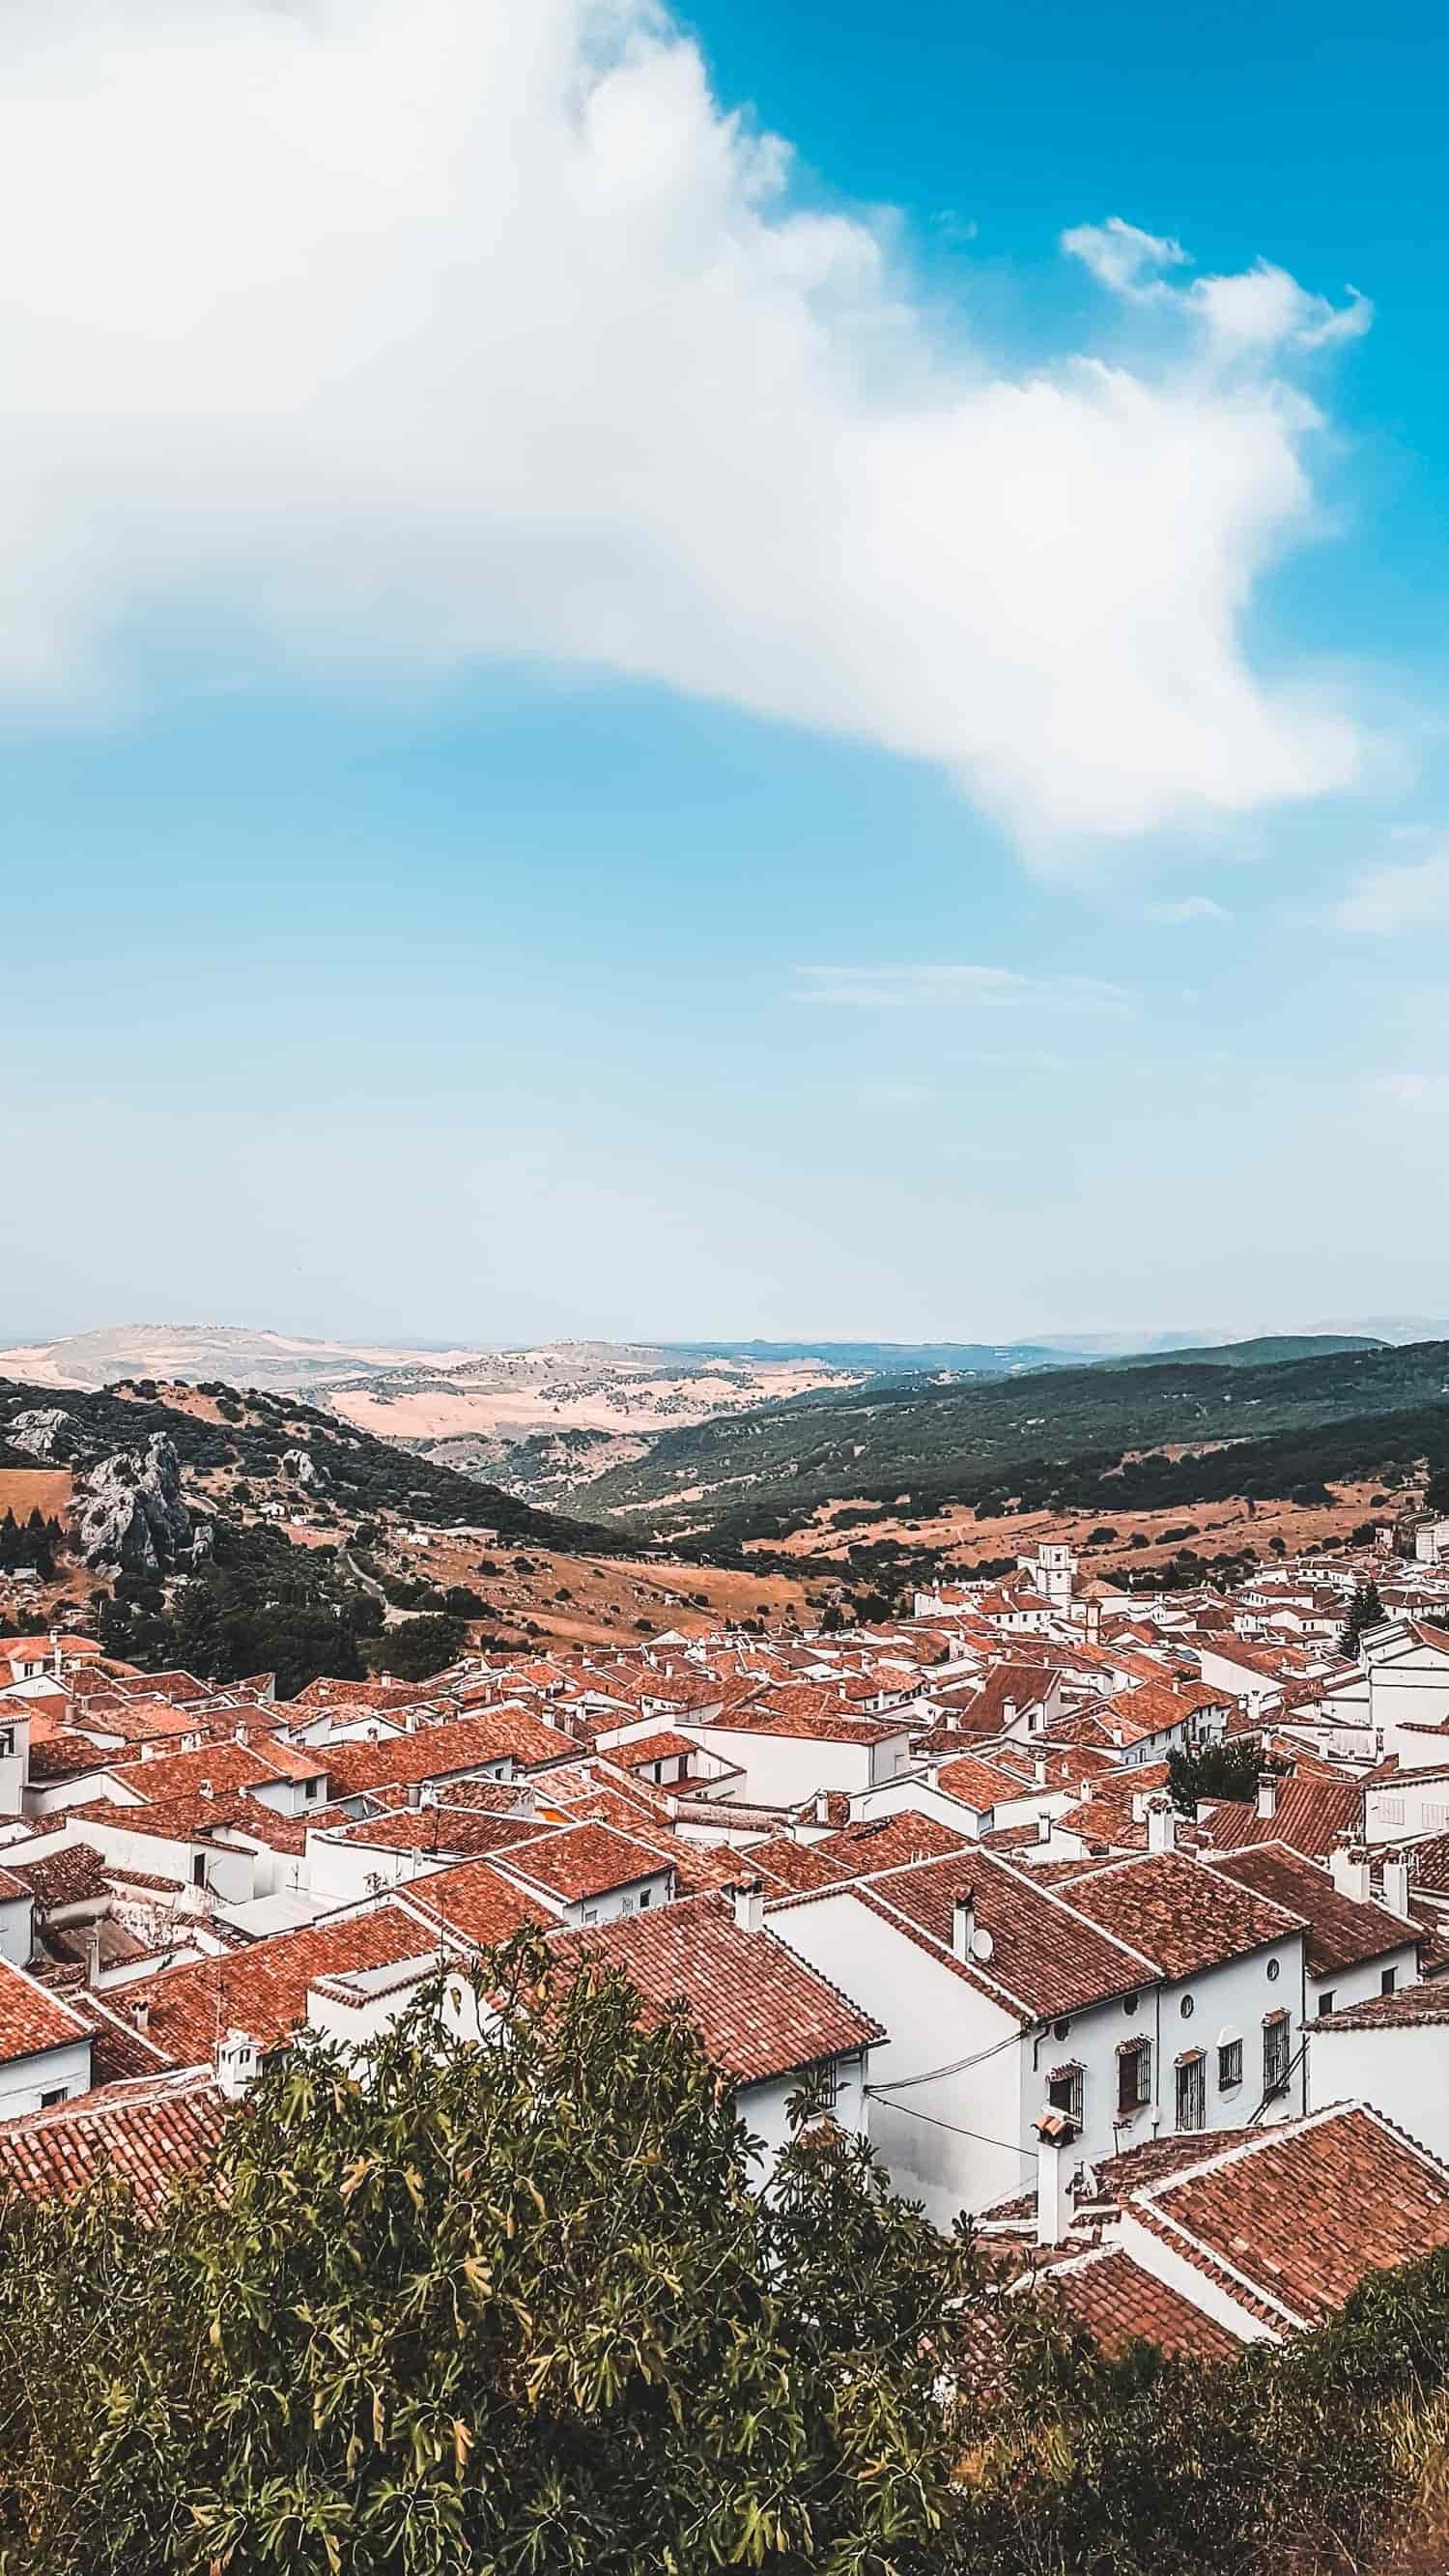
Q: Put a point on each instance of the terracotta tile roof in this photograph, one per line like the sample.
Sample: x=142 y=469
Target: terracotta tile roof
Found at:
x=118 y=2049
x=783 y=1863
x=64 y=1756
x=1410 y=2008
x=760 y=2011
x=1375 y=2200
x=71 y=1876
x=1341 y=1932
x=1046 y=1958
x=31 y=2019
x=222 y=1767
x=643 y=1749
x=148 y=2133
x=977 y=1784
x=453 y=1833
x=1183 y=1916
x=579 y=1861
x=263 y=1989
x=889 y=1842
x=825 y=1726
x=1116 y=2302
x=472 y=1902
x=1309 y=1815
x=432 y=1752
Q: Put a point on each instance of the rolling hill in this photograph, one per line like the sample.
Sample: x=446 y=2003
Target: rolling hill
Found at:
x=763 y=1474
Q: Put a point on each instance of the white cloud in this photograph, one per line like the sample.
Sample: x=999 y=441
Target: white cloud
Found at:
x=1265 y=311
x=1388 y=900
x=875 y=988
x=1121 y=256
x=1192 y=907
x=395 y=333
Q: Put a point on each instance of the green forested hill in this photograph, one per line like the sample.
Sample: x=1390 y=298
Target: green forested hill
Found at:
x=759 y=1472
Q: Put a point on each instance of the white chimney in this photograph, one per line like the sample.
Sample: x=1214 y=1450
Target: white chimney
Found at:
x=1161 y=1825
x=238 y=2062
x=1039 y=1768
x=1396 y=1884
x=1267 y=1793
x=1055 y=2133
x=1008 y=1715
x=93 y=1955
x=140 y=2011
x=963 y=1925
x=1348 y=1867
x=749 y=1905
x=55 y=1652
x=1043 y=1827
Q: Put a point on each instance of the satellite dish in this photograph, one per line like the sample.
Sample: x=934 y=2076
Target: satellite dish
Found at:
x=982 y=1947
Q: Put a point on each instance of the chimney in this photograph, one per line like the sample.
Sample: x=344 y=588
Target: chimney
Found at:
x=93 y=1955
x=822 y=1806
x=237 y=2063
x=1267 y=1794
x=1043 y=1827
x=1055 y=2133
x=1008 y=1715
x=205 y=1790
x=1161 y=1825
x=141 y=2011
x=1348 y=1867
x=1396 y=1884
x=242 y=1735
x=749 y=1905
x=55 y=1652
x=1039 y=1768
x=963 y=1925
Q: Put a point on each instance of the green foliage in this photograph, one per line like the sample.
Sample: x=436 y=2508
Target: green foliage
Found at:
x=1230 y=1770
x=260 y=1605
x=507 y=2308
x=419 y=1647
x=1365 y=1610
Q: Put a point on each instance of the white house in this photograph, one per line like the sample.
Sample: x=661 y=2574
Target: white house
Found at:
x=1136 y=1999
x=1391 y=2050
x=45 y=2048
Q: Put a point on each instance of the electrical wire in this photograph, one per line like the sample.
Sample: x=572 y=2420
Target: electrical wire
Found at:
x=1028 y=2154
x=960 y=2066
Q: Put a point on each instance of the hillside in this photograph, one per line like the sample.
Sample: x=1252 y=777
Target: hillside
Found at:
x=192 y=1353
x=190 y=1501
x=764 y=1474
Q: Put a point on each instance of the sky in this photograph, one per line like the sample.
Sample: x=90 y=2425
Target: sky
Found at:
x=774 y=673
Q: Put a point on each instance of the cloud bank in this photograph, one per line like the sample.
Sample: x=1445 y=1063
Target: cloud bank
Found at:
x=1390 y=900
x=403 y=332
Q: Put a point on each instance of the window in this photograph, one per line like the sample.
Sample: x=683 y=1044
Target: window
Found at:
x=1230 y=2065
x=1064 y=2091
x=1325 y=2002
x=1192 y=2091
x=826 y=2085
x=1388 y=1980
x=1274 y=1971
x=1187 y=2008
x=48 y=2101
x=1130 y=2004
x=198 y=1869
x=645 y=1895
x=591 y=1914
x=314 y=1788
x=1275 y=2054
x=1134 y=2076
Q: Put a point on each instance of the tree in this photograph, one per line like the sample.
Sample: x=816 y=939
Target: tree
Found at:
x=1365 y=1610
x=418 y=1647
x=510 y=2306
x=1214 y=1771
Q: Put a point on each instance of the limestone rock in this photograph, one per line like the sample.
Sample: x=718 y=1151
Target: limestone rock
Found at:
x=300 y=1465
x=130 y=1512
x=46 y=1433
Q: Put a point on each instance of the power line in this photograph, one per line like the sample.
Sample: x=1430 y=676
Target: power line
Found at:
x=960 y=2066
x=1008 y=2145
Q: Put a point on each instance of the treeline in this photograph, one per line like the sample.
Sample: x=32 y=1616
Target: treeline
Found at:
x=515 y=2307
x=258 y=1605
x=1297 y=1466
x=36 y=1543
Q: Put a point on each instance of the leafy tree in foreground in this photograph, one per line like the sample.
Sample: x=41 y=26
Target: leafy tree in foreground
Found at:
x=512 y=2307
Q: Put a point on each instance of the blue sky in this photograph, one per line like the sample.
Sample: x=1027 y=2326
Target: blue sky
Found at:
x=638 y=738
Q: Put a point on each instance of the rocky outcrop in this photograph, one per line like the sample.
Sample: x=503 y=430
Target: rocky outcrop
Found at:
x=46 y=1433
x=130 y=1515
x=300 y=1465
